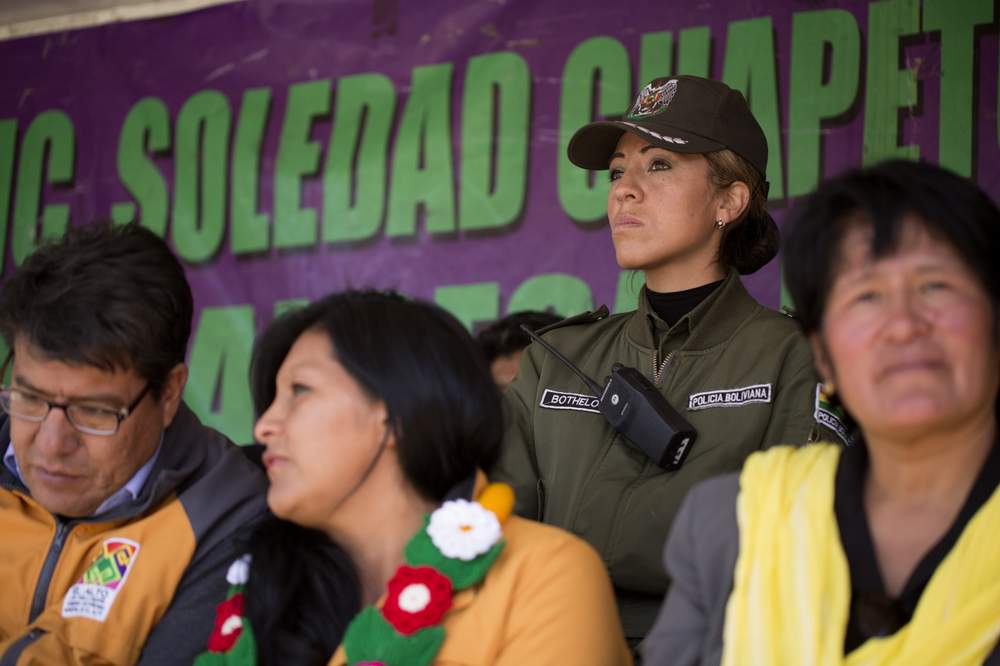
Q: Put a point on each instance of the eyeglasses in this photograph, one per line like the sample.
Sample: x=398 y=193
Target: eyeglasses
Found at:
x=87 y=418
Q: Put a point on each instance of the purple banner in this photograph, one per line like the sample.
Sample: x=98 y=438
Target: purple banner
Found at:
x=287 y=148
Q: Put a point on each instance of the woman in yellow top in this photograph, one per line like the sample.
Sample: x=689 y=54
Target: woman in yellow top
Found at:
x=884 y=552
x=377 y=412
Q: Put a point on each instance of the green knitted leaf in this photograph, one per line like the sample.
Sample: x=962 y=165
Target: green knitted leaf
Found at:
x=421 y=550
x=370 y=637
x=243 y=652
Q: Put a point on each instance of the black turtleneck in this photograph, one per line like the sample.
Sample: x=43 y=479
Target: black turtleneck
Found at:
x=673 y=305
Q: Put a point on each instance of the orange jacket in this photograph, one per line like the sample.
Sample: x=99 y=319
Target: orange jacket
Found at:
x=139 y=580
x=546 y=600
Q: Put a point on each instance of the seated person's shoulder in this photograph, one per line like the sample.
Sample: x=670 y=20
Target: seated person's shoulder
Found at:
x=544 y=547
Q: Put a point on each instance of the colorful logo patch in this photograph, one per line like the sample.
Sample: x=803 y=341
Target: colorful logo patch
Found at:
x=573 y=401
x=830 y=415
x=653 y=99
x=97 y=588
x=734 y=397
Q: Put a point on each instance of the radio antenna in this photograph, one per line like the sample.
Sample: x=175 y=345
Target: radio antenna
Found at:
x=591 y=384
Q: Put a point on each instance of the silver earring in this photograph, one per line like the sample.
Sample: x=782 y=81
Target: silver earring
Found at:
x=719 y=224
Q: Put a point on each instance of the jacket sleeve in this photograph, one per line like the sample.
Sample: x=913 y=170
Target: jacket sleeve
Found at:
x=565 y=612
x=183 y=631
x=700 y=557
x=793 y=419
x=517 y=465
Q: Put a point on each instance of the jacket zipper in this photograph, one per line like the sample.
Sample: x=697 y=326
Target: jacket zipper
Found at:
x=48 y=568
x=13 y=653
x=660 y=368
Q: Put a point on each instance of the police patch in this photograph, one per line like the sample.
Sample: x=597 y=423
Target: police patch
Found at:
x=93 y=594
x=734 y=397
x=653 y=99
x=577 y=402
x=830 y=415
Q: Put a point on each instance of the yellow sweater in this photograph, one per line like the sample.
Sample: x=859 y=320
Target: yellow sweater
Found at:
x=546 y=600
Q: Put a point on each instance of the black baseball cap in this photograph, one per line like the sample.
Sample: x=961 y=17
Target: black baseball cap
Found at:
x=685 y=114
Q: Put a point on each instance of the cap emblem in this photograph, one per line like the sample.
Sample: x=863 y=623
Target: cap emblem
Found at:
x=653 y=99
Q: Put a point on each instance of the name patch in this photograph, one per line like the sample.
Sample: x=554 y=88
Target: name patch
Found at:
x=577 y=402
x=95 y=592
x=734 y=397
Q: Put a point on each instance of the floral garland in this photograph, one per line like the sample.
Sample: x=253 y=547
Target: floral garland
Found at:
x=458 y=544
x=232 y=640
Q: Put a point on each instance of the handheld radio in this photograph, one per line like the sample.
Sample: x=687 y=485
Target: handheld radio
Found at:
x=633 y=407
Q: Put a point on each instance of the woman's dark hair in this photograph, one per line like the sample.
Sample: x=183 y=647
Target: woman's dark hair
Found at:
x=445 y=413
x=751 y=240
x=504 y=336
x=111 y=297
x=416 y=358
x=302 y=593
x=951 y=208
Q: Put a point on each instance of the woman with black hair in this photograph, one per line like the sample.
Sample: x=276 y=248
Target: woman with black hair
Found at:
x=377 y=414
x=687 y=207
x=883 y=552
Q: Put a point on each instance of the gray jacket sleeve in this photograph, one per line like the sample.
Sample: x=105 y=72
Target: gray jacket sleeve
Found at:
x=700 y=557
x=183 y=631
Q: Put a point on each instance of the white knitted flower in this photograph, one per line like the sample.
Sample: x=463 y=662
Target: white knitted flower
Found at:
x=239 y=571
x=414 y=598
x=463 y=530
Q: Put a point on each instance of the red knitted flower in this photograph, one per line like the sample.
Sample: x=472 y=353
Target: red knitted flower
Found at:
x=418 y=597
x=228 y=624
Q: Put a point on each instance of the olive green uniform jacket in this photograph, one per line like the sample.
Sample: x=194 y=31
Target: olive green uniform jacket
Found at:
x=740 y=373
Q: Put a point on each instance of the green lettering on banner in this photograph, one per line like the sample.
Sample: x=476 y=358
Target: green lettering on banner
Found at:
x=50 y=133
x=8 y=146
x=627 y=293
x=200 y=162
x=470 y=302
x=749 y=67
x=487 y=202
x=249 y=229
x=656 y=56
x=422 y=169
x=958 y=40
x=809 y=99
x=888 y=88
x=287 y=305
x=604 y=61
x=354 y=194
x=145 y=131
x=565 y=294
x=694 y=51
x=298 y=157
x=219 y=360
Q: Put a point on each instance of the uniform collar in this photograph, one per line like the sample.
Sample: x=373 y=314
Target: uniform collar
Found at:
x=712 y=322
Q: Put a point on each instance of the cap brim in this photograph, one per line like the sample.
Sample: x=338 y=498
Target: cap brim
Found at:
x=592 y=145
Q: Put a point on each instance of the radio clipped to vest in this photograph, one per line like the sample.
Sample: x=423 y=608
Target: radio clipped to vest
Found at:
x=633 y=407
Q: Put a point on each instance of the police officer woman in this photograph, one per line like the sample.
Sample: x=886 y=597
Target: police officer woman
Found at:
x=687 y=208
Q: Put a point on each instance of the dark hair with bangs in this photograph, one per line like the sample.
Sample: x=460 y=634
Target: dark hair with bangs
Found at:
x=416 y=358
x=951 y=208
x=111 y=297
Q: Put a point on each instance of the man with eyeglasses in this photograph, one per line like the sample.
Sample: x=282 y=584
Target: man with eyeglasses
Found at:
x=118 y=508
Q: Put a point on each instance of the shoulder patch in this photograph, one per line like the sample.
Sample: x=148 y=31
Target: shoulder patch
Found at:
x=582 y=318
x=577 y=402
x=732 y=397
x=830 y=415
x=93 y=594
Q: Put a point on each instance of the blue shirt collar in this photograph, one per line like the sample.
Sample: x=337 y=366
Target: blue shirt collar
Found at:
x=126 y=493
